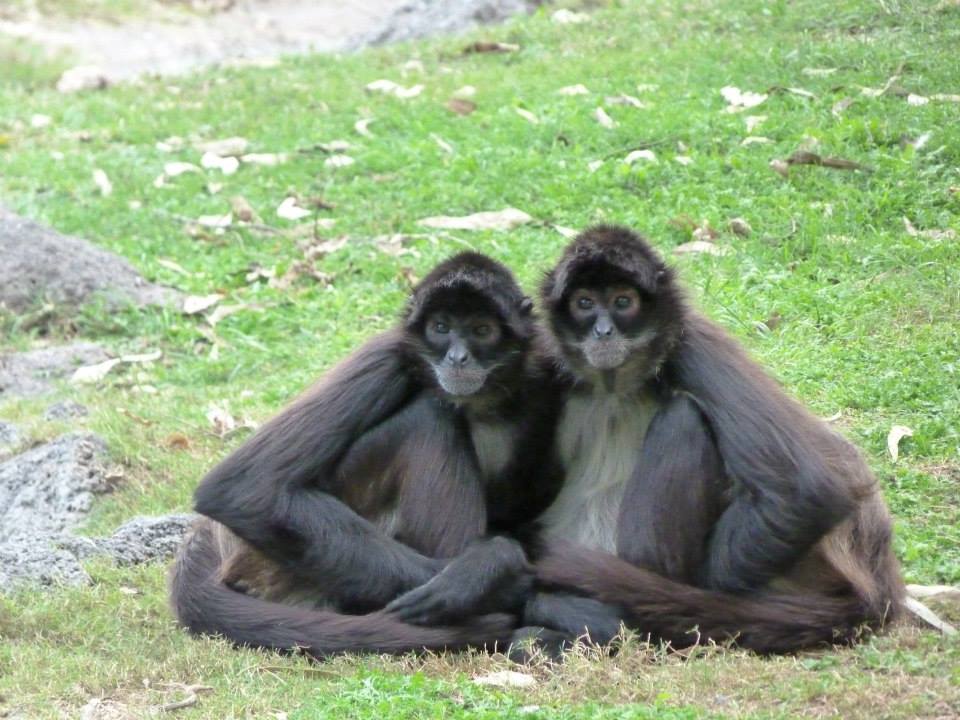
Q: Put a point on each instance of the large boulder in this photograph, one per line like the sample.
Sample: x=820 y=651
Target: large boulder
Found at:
x=42 y=266
x=34 y=372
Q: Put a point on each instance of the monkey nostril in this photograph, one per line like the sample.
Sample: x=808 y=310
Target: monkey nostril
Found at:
x=458 y=357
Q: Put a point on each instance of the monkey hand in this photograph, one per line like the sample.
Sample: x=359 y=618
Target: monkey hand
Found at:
x=492 y=575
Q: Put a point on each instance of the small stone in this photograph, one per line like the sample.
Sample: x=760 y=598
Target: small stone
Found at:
x=65 y=410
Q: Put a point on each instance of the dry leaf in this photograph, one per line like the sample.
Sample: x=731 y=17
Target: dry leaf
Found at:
x=929 y=616
x=289 y=210
x=215 y=221
x=792 y=90
x=223 y=311
x=171 y=144
x=460 y=106
x=40 y=121
x=944 y=97
x=917 y=100
x=226 y=165
x=877 y=92
x=780 y=167
x=600 y=115
x=683 y=159
x=193 y=304
x=268 y=159
x=528 y=116
x=841 y=106
x=316 y=251
x=948 y=234
x=482 y=46
x=393 y=245
x=103 y=182
x=703 y=231
x=339 y=161
x=740 y=227
x=173 y=169
x=443 y=144
x=594 y=165
x=623 y=99
x=569 y=17
x=177 y=441
x=754 y=121
x=408 y=276
x=699 y=246
x=361 y=125
x=804 y=157
x=335 y=146
x=506 y=678
x=647 y=87
x=578 y=89
x=818 y=72
x=220 y=418
x=171 y=265
x=388 y=87
x=738 y=101
x=566 y=232
x=636 y=155
x=82 y=77
x=896 y=434
x=93 y=373
x=243 y=210
x=142 y=357
x=228 y=147
x=505 y=219
x=467 y=91
x=755 y=140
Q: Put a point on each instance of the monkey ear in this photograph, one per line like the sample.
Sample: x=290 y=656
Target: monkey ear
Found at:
x=525 y=306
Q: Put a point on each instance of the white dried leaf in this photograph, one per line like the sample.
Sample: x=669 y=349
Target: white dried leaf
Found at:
x=594 y=165
x=699 y=246
x=40 y=121
x=600 y=115
x=326 y=247
x=929 y=616
x=410 y=92
x=578 y=89
x=228 y=147
x=624 y=99
x=528 y=116
x=171 y=144
x=465 y=93
x=506 y=678
x=93 y=373
x=173 y=169
x=647 y=87
x=896 y=434
x=780 y=167
x=215 y=221
x=684 y=159
x=335 y=146
x=569 y=17
x=226 y=165
x=738 y=100
x=754 y=121
x=917 y=100
x=338 y=161
x=82 y=77
x=160 y=181
x=411 y=66
x=818 y=72
x=268 y=159
x=646 y=155
x=147 y=357
x=441 y=143
x=289 y=210
x=393 y=245
x=877 y=92
x=945 y=97
x=193 y=304
x=931 y=234
x=361 y=127
x=568 y=233
x=103 y=182
x=383 y=86
x=221 y=420
x=505 y=219
x=801 y=92
x=171 y=265
x=755 y=140
x=222 y=311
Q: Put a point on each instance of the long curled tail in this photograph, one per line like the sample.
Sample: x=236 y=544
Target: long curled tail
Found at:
x=204 y=605
x=682 y=614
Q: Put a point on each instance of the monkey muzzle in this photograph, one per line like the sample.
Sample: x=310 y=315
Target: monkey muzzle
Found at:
x=606 y=353
x=460 y=381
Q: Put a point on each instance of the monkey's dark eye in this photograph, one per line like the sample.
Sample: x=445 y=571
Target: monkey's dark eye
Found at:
x=482 y=330
x=441 y=327
x=623 y=301
x=584 y=303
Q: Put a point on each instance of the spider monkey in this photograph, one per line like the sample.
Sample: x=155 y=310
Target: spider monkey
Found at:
x=699 y=498
x=390 y=472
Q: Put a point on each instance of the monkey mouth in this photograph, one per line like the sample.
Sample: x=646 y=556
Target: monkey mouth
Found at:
x=460 y=382
x=605 y=355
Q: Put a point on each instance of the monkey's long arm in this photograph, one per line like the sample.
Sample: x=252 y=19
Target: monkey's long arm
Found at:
x=275 y=491
x=794 y=479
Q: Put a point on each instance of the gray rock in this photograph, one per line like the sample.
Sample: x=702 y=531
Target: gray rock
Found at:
x=34 y=372
x=38 y=561
x=51 y=488
x=65 y=410
x=140 y=540
x=9 y=435
x=41 y=265
x=426 y=18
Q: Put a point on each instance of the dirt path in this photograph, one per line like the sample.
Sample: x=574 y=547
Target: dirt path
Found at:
x=252 y=29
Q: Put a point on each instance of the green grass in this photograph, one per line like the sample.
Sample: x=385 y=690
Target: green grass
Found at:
x=869 y=313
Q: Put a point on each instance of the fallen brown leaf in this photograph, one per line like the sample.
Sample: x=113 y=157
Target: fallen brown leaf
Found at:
x=243 y=210
x=486 y=46
x=805 y=157
x=461 y=106
x=739 y=226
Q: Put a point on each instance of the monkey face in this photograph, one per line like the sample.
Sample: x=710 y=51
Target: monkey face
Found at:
x=463 y=349
x=607 y=324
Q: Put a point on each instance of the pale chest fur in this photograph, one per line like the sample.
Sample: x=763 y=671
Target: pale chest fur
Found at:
x=599 y=441
x=493 y=445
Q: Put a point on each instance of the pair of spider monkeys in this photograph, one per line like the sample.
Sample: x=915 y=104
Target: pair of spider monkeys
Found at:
x=475 y=476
